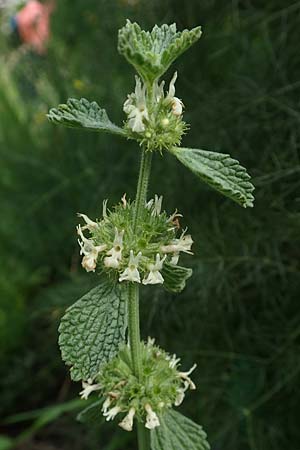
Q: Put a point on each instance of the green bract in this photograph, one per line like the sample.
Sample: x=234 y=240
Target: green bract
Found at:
x=152 y=53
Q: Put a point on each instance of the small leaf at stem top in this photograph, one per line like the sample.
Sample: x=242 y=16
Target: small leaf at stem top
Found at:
x=152 y=52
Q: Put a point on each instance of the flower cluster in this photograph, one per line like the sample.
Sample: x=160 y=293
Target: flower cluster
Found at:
x=136 y=256
x=153 y=118
x=160 y=386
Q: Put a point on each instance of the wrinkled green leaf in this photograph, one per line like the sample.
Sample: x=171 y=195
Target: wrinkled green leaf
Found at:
x=92 y=413
x=175 y=277
x=220 y=171
x=177 y=432
x=92 y=329
x=83 y=114
x=152 y=53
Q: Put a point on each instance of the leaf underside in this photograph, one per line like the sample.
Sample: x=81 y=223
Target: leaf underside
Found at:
x=177 y=432
x=175 y=277
x=220 y=171
x=83 y=114
x=152 y=53
x=92 y=330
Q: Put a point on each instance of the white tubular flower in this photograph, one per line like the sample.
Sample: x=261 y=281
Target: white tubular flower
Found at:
x=131 y=273
x=111 y=413
x=89 y=250
x=88 y=388
x=104 y=209
x=180 y=397
x=175 y=259
x=154 y=276
x=176 y=103
x=157 y=205
x=136 y=109
x=90 y=224
x=158 y=90
x=114 y=255
x=106 y=405
x=183 y=244
x=127 y=422
x=185 y=377
x=152 y=421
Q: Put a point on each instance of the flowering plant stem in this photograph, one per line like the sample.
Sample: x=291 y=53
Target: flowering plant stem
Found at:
x=133 y=288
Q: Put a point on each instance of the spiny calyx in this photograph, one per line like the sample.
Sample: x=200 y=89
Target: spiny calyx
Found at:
x=153 y=118
x=133 y=255
x=161 y=386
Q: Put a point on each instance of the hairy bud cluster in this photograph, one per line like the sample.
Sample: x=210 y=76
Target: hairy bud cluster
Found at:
x=137 y=256
x=153 y=118
x=161 y=386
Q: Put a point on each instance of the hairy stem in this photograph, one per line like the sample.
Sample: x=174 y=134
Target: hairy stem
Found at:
x=133 y=290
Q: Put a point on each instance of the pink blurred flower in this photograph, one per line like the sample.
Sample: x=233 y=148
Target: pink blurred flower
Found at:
x=33 y=24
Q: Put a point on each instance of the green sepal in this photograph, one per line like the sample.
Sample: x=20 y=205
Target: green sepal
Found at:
x=83 y=114
x=175 y=277
x=92 y=413
x=220 y=171
x=177 y=432
x=92 y=329
x=152 y=53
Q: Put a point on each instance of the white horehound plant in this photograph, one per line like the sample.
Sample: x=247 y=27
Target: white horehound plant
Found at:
x=137 y=243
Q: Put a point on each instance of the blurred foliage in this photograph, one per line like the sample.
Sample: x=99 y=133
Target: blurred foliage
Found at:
x=239 y=316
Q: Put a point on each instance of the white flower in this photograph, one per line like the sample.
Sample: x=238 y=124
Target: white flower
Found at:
x=88 y=388
x=180 y=397
x=131 y=273
x=90 y=224
x=158 y=90
x=111 y=413
x=183 y=244
x=104 y=209
x=157 y=205
x=127 y=422
x=175 y=259
x=136 y=109
x=154 y=276
x=89 y=250
x=152 y=421
x=176 y=103
x=114 y=255
x=106 y=405
x=186 y=379
x=124 y=201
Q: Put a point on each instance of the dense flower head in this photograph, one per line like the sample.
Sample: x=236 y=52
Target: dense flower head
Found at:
x=111 y=245
x=154 y=118
x=161 y=386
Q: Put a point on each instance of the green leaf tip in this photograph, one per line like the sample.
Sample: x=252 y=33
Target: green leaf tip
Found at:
x=220 y=171
x=177 y=432
x=152 y=52
x=92 y=330
x=83 y=114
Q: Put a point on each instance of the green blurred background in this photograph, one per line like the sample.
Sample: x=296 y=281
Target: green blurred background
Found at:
x=239 y=317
